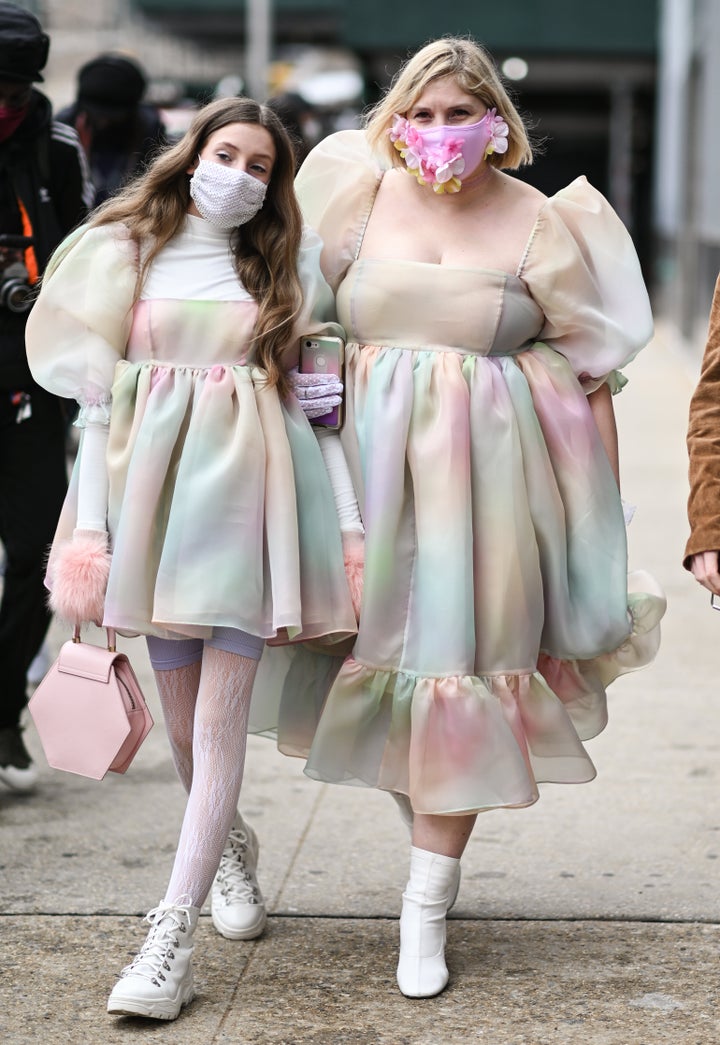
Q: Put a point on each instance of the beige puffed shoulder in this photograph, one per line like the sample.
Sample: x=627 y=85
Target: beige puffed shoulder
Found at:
x=582 y=269
x=79 y=325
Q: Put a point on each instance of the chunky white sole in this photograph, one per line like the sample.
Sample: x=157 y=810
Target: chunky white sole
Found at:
x=162 y=1009
x=231 y=932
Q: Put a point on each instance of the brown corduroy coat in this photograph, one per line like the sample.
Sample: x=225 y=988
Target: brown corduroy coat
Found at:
x=703 y=442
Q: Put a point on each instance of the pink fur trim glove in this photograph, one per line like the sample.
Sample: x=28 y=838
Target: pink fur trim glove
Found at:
x=80 y=571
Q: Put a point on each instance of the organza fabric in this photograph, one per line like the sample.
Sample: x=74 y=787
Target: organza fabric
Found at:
x=496 y=606
x=220 y=510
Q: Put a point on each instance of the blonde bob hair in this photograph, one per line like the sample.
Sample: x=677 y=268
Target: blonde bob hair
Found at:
x=265 y=249
x=474 y=71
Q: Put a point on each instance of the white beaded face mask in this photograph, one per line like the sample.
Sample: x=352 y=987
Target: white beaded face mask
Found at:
x=224 y=196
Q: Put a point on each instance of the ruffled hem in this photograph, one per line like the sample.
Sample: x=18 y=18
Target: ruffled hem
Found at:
x=461 y=744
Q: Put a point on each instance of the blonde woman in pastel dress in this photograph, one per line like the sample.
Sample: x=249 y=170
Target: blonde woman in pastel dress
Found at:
x=486 y=324
x=200 y=513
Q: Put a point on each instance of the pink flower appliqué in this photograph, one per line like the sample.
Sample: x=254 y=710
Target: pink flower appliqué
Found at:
x=435 y=166
x=499 y=131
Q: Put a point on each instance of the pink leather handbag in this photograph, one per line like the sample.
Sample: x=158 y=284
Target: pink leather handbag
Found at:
x=89 y=710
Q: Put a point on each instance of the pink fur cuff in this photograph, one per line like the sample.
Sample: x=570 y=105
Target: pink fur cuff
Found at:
x=80 y=570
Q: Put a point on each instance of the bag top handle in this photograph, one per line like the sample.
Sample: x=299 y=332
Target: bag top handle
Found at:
x=111 y=637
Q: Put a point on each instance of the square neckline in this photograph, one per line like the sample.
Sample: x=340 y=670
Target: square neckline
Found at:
x=457 y=268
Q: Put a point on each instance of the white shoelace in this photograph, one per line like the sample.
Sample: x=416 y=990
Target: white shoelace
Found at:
x=235 y=877
x=152 y=960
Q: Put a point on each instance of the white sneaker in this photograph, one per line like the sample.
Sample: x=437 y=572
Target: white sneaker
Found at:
x=237 y=905
x=159 y=980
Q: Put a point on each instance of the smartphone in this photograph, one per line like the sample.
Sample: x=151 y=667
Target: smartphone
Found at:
x=324 y=355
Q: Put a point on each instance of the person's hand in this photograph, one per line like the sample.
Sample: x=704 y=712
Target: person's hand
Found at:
x=704 y=568
x=78 y=577
x=353 y=543
x=317 y=394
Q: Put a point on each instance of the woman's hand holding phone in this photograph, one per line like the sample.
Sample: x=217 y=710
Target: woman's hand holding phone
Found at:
x=318 y=394
x=321 y=379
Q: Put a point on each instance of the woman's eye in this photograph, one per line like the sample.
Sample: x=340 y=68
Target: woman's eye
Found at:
x=259 y=167
x=224 y=156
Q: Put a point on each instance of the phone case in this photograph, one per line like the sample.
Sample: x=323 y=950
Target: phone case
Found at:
x=324 y=355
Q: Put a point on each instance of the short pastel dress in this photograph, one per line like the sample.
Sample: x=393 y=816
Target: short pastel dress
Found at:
x=221 y=513
x=496 y=607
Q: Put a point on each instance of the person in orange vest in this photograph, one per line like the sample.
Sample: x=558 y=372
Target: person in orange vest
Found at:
x=45 y=191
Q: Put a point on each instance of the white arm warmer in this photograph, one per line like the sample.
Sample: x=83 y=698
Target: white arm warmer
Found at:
x=93 y=478
x=342 y=485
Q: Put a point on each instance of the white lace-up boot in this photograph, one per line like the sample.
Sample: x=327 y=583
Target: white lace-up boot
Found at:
x=421 y=971
x=238 y=907
x=159 y=980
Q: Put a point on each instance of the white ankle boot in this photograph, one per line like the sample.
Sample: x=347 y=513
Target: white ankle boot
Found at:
x=421 y=971
x=238 y=907
x=159 y=981
x=407 y=816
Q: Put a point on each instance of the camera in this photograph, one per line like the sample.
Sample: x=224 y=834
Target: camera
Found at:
x=16 y=293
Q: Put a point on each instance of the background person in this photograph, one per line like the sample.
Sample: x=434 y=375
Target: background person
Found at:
x=44 y=192
x=701 y=551
x=119 y=133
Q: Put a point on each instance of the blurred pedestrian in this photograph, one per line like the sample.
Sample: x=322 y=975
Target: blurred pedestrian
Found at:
x=44 y=192
x=300 y=121
x=703 y=439
x=118 y=132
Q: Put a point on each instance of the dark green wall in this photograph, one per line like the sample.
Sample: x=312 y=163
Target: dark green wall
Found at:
x=518 y=26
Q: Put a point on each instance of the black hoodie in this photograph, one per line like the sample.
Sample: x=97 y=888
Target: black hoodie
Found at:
x=42 y=164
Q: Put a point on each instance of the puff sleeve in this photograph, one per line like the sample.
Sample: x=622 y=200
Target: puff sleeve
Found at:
x=79 y=326
x=582 y=269
x=336 y=186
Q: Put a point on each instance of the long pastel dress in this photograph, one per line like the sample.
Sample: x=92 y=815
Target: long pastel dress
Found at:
x=220 y=510
x=496 y=606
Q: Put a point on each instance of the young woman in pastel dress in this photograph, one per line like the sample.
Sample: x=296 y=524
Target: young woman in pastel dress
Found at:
x=485 y=324
x=200 y=512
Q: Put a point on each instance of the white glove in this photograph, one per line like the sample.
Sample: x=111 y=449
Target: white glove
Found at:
x=79 y=568
x=317 y=394
x=93 y=480
x=343 y=490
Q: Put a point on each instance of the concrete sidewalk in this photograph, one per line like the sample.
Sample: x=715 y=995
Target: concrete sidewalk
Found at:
x=592 y=918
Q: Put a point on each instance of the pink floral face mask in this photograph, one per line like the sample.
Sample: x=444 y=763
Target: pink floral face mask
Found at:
x=443 y=156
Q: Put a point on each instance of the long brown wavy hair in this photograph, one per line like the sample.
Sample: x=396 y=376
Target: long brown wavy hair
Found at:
x=265 y=249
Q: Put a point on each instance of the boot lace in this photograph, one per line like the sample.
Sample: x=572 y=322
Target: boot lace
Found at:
x=236 y=876
x=152 y=962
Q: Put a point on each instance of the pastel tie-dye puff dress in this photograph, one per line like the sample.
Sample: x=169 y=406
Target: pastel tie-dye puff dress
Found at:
x=220 y=512
x=496 y=606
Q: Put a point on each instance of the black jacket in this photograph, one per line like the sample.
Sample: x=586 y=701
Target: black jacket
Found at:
x=43 y=165
x=122 y=150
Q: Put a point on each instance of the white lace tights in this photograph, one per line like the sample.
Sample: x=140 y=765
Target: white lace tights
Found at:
x=205 y=706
